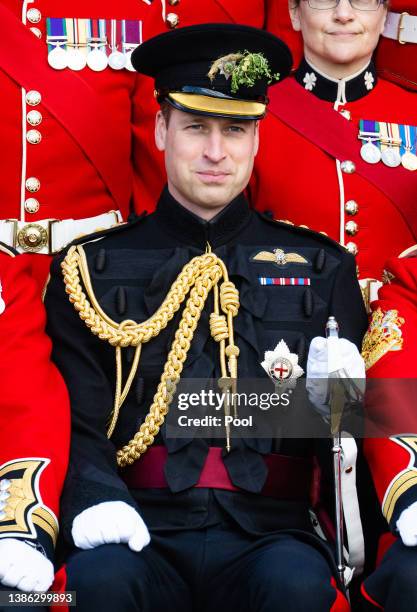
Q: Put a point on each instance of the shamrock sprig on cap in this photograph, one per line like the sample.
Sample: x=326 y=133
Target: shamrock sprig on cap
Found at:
x=244 y=68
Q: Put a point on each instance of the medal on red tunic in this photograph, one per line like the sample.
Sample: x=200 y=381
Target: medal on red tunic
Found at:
x=408 y=157
x=77 y=44
x=97 y=41
x=117 y=60
x=56 y=40
x=369 y=134
x=390 y=144
x=131 y=38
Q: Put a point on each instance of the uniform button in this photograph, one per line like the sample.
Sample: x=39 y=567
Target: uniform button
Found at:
x=352 y=248
x=33 y=184
x=172 y=20
x=34 y=117
x=351 y=228
x=348 y=167
x=33 y=98
x=33 y=15
x=173 y=2
x=33 y=137
x=351 y=207
x=36 y=32
x=31 y=205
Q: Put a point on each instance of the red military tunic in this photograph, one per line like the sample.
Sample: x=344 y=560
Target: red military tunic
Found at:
x=392 y=358
x=391 y=426
x=298 y=181
x=80 y=143
x=34 y=412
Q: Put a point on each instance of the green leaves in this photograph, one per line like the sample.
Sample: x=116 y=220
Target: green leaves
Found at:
x=244 y=69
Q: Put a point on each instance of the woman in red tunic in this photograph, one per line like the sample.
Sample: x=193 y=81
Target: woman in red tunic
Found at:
x=313 y=168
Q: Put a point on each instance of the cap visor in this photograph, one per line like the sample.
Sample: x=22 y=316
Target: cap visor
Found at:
x=242 y=109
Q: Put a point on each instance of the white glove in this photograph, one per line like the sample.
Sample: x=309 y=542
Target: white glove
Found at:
x=112 y=522
x=407 y=525
x=23 y=567
x=343 y=355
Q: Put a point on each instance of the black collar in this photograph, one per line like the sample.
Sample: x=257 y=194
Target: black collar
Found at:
x=324 y=87
x=190 y=229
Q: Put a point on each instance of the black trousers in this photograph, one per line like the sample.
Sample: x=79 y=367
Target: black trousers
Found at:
x=211 y=569
x=393 y=585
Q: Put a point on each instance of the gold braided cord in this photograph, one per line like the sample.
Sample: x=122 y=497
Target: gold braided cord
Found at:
x=197 y=279
x=120 y=395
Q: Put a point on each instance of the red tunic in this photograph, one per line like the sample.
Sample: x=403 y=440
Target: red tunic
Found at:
x=392 y=360
x=96 y=149
x=298 y=181
x=34 y=412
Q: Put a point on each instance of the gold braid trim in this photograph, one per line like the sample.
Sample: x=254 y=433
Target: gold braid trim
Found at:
x=197 y=278
x=384 y=334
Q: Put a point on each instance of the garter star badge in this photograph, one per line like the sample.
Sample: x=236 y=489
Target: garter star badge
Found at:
x=281 y=365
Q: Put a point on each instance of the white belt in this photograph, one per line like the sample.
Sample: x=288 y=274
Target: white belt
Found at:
x=401 y=27
x=369 y=288
x=353 y=523
x=49 y=236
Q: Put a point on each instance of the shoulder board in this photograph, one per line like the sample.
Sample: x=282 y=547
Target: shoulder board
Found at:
x=303 y=229
x=120 y=227
x=7 y=250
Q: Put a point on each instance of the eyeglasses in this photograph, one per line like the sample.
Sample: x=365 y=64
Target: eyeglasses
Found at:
x=360 y=5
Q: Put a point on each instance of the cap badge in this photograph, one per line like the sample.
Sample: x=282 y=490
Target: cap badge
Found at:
x=244 y=69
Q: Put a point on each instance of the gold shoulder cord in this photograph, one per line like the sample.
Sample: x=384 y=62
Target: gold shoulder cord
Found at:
x=197 y=278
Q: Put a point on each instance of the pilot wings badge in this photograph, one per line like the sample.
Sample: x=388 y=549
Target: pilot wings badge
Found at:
x=279 y=257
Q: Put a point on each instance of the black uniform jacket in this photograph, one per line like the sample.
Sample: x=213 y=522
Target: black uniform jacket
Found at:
x=132 y=268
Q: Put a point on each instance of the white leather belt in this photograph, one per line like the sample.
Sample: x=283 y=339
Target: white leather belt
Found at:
x=353 y=523
x=401 y=27
x=369 y=288
x=49 y=236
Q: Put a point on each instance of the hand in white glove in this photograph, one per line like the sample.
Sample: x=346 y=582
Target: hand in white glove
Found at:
x=407 y=525
x=112 y=522
x=23 y=567
x=343 y=355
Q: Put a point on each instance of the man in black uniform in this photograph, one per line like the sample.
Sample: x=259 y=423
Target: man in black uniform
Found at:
x=160 y=522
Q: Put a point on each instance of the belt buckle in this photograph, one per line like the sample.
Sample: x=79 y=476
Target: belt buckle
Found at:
x=401 y=27
x=32 y=237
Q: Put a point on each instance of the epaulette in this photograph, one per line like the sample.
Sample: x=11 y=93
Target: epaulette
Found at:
x=304 y=230
x=120 y=227
x=8 y=250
